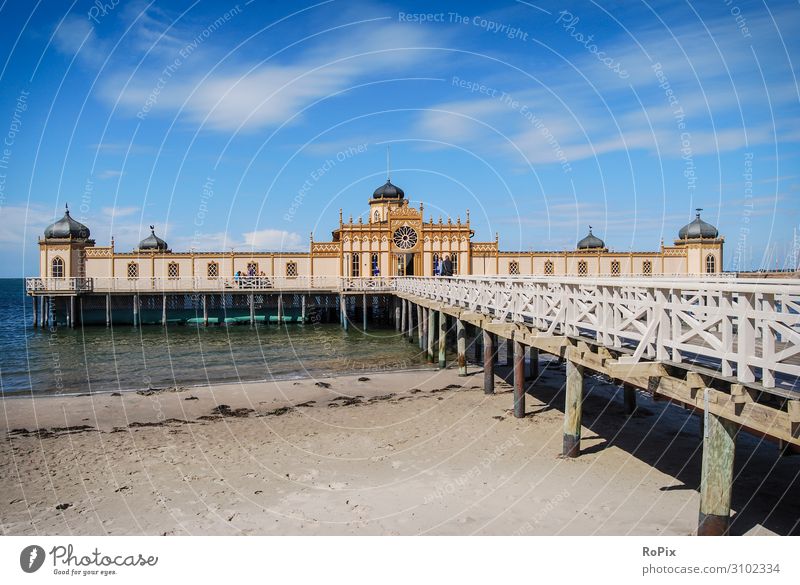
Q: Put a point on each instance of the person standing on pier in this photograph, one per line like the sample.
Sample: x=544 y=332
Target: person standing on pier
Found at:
x=447 y=266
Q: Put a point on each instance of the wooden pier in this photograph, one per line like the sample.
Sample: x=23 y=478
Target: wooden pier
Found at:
x=726 y=348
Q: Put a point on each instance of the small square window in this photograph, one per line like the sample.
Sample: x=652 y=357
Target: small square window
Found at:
x=647 y=267
x=583 y=268
x=291 y=269
x=513 y=267
x=213 y=270
x=133 y=271
x=615 y=268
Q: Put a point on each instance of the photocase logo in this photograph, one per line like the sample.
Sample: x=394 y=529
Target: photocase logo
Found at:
x=31 y=558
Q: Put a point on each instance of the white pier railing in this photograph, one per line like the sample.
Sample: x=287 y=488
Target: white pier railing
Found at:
x=204 y=285
x=745 y=326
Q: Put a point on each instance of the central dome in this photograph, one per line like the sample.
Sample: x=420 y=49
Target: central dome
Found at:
x=388 y=191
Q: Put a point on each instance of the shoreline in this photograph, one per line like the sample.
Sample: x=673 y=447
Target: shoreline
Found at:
x=288 y=378
x=414 y=452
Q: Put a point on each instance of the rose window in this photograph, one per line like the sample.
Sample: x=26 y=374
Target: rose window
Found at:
x=405 y=238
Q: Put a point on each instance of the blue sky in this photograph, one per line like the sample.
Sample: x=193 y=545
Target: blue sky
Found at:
x=250 y=125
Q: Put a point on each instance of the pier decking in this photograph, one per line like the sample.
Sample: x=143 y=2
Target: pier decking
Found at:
x=726 y=348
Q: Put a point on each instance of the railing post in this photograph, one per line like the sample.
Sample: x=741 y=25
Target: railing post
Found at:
x=767 y=341
x=745 y=337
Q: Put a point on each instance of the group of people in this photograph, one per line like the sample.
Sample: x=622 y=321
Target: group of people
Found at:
x=443 y=268
x=251 y=278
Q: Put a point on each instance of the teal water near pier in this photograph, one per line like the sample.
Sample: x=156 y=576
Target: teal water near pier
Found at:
x=100 y=359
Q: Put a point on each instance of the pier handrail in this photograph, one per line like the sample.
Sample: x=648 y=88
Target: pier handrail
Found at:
x=750 y=329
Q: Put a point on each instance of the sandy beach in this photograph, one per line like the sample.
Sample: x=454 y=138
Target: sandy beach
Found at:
x=415 y=452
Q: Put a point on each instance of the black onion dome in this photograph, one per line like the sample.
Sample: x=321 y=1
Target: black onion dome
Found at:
x=388 y=191
x=66 y=227
x=698 y=229
x=152 y=242
x=591 y=242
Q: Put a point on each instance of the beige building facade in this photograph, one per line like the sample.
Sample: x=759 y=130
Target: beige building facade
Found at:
x=396 y=240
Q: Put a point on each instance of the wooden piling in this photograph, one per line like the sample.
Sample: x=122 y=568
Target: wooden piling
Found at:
x=518 y=354
x=488 y=362
x=35 y=310
x=164 y=310
x=343 y=310
x=431 y=334
x=364 y=311
x=461 y=344
x=302 y=308
x=425 y=331
x=716 y=480
x=396 y=314
x=573 y=407
x=108 y=309
x=205 y=311
x=136 y=310
x=509 y=352
x=420 y=329
x=442 y=318
x=280 y=309
x=629 y=397
x=403 y=313
x=533 y=363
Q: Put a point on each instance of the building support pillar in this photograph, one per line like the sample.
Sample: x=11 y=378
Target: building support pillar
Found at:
x=442 y=340
x=573 y=410
x=302 y=308
x=364 y=311
x=431 y=334
x=397 y=314
x=280 y=308
x=205 y=311
x=510 y=352
x=461 y=344
x=488 y=362
x=35 y=311
x=136 y=319
x=518 y=355
x=716 y=480
x=411 y=311
x=108 y=309
x=403 y=317
x=420 y=328
x=533 y=365
x=252 y=309
x=164 y=310
x=343 y=310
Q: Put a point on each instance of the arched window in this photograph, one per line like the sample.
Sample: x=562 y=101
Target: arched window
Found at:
x=377 y=216
x=173 y=271
x=376 y=269
x=513 y=267
x=57 y=268
x=615 y=268
x=212 y=270
x=583 y=268
x=711 y=264
x=548 y=268
x=355 y=265
x=133 y=271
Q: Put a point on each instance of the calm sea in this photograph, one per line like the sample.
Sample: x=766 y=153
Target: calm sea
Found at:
x=97 y=359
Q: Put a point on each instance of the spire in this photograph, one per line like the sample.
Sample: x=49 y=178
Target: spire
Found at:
x=698 y=210
x=66 y=209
